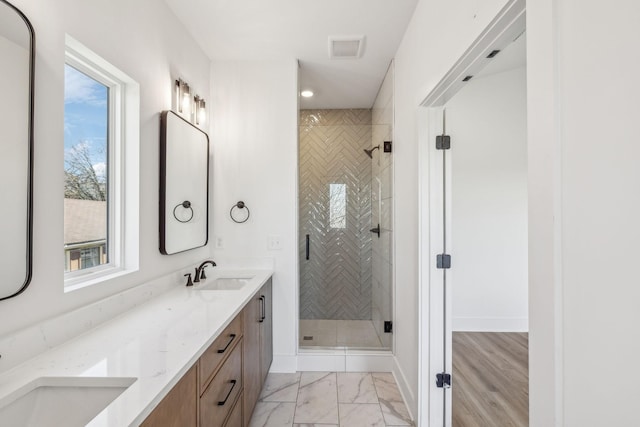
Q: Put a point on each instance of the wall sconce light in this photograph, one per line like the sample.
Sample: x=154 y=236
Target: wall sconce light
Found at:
x=199 y=107
x=183 y=96
x=190 y=107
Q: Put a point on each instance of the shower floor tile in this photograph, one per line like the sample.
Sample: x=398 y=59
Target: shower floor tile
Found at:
x=338 y=333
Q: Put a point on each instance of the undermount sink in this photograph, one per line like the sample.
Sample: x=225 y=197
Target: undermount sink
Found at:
x=225 y=284
x=61 y=401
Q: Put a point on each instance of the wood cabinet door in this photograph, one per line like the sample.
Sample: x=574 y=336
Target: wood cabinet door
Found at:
x=266 y=330
x=179 y=406
x=251 y=362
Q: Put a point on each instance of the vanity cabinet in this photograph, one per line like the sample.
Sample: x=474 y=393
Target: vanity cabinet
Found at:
x=235 y=419
x=251 y=355
x=210 y=361
x=266 y=330
x=223 y=386
x=179 y=406
x=220 y=373
x=258 y=351
x=221 y=395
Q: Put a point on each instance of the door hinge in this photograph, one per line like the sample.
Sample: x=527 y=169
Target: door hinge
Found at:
x=388 y=326
x=443 y=380
x=443 y=142
x=443 y=261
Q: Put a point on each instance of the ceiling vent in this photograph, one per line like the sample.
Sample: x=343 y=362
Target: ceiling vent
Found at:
x=347 y=47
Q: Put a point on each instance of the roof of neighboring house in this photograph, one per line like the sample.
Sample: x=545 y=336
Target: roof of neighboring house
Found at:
x=84 y=221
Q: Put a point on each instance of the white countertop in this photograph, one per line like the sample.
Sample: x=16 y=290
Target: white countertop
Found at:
x=156 y=343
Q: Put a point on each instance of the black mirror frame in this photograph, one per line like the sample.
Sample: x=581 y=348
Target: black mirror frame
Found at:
x=29 y=236
x=163 y=183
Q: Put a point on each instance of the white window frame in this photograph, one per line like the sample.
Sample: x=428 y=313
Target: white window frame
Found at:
x=123 y=168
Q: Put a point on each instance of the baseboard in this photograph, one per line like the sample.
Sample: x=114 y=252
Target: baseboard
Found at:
x=403 y=385
x=367 y=362
x=488 y=324
x=284 y=363
x=341 y=360
x=323 y=362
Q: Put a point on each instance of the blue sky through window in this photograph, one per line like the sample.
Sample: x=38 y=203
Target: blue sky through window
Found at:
x=86 y=123
x=86 y=117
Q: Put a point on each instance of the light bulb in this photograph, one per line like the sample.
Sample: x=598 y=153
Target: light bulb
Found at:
x=202 y=113
x=178 y=91
x=186 y=103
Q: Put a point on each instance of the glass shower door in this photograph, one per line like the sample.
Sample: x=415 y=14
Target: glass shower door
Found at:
x=335 y=217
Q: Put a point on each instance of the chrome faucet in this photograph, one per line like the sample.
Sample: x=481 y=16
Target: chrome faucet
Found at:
x=200 y=270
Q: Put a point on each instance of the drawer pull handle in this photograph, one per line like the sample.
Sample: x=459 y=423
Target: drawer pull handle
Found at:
x=233 y=384
x=233 y=337
x=263 y=307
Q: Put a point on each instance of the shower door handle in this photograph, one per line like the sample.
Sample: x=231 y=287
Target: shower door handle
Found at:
x=307 y=247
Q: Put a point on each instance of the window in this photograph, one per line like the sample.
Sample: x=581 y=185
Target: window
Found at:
x=86 y=167
x=90 y=256
x=101 y=152
x=337 y=205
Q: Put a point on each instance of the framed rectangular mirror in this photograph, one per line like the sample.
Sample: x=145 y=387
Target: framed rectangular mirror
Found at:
x=17 y=54
x=184 y=185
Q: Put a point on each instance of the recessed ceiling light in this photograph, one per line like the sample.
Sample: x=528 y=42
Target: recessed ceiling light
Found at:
x=306 y=93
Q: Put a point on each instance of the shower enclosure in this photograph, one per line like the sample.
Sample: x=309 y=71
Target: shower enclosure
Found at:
x=345 y=229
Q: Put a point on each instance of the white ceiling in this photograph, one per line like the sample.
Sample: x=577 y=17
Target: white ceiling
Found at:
x=277 y=29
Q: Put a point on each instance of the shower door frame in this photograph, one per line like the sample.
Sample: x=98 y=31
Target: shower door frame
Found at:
x=300 y=234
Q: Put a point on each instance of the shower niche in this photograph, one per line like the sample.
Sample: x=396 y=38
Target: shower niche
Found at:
x=345 y=194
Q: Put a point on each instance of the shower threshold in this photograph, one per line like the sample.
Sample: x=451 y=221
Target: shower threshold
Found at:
x=328 y=334
x=345 y=359
x=314 y=349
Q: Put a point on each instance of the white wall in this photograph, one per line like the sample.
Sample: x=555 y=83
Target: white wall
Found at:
x=145 y=41
x=583 y=201
x=544 y=164
x=255 y=155
x=439 y=32
x=593 y=62
x=487 y=121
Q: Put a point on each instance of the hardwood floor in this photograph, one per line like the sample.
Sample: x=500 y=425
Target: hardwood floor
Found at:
x=490 y=379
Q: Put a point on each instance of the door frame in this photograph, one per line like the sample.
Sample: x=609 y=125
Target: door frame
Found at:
x=434 y=341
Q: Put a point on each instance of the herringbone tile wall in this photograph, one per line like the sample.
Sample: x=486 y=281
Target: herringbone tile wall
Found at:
x=335 y=283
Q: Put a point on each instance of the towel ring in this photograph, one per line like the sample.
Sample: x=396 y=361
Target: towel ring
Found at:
x=239 y=205
x=187 y=205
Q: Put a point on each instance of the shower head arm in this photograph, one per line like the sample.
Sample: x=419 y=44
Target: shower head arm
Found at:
x=371 y=150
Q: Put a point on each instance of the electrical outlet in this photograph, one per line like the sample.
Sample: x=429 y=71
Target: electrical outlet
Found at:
x=219 y=243
x=273 y=243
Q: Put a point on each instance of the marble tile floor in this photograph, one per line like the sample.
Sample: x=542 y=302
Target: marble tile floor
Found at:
x=324 y=399
x=338 y=333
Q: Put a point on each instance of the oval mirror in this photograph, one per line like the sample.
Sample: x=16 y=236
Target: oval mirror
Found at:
x=16 y=149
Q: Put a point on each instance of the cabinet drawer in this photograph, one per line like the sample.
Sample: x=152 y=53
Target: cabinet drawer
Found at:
x=218 y=399
x=235 y=419
x=217 y=351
